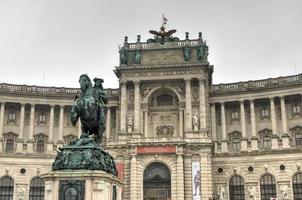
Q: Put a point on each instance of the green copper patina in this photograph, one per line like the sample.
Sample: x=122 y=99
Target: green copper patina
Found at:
x=86 y=152
x=187 y=54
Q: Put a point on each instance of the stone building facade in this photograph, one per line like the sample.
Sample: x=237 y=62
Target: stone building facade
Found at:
x=173 y=134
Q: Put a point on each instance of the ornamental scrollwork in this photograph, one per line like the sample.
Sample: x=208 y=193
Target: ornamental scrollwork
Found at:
x=165 y=131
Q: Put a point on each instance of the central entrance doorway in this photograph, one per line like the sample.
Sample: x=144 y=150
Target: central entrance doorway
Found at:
x=157 y=182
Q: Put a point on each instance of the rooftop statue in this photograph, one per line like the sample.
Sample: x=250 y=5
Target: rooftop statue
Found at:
x=162 y=36
x=86 y=152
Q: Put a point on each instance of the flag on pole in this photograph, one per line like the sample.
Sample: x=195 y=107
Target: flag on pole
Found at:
x=164 y=20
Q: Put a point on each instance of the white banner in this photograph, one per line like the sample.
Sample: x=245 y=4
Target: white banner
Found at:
x=196 y=180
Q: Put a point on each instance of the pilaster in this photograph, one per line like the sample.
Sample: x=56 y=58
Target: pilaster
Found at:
x=61 y=124
x=188 y=124
x=136 y=106
x=180 y=177
x=31 y=122
x=2 y=108
x=124 y=106
x=202 y=105
x=108 y=123
x=243 y=126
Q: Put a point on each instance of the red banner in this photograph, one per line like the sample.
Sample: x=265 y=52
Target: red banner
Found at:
x=156 y=150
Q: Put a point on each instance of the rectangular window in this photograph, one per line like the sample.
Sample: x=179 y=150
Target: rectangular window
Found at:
x=299 y=139
x=42 y=118
x=9 y=146
x=234 y=115
x=40 y=146
x=236 y=144
x=264 y=113
x=296 y=109
x=267 y=142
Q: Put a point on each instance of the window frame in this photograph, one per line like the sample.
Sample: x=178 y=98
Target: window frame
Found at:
x=297 y=185
x=236 y=189
x=7 y=188
x=36 y=189
x=268 y=189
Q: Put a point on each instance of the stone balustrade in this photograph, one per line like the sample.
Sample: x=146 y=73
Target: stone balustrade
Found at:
x=256 y=85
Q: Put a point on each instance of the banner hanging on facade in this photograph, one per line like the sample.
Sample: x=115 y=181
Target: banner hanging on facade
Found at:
x=196 y=180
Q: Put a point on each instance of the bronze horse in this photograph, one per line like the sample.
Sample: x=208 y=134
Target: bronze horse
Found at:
x=89 y=108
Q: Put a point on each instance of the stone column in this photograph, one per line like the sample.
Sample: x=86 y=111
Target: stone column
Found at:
x=108 y=123
x=51 y=123
x=213 y=125
x=61 y=124
x=133 y=178
x=20 y=140
x=224 y=142
x=254 y=138
x=146 y=121
x=274 y=124
x=202 y=105
x=243 y=127
x=136 y=106
x=30 y=145
x=2 y=108
x=285 y=136
x=124 y=106
x=206 y=185
x=181 y=123
x=180 y=193
x=21 y=124
x=188 y=125
x=50 y=128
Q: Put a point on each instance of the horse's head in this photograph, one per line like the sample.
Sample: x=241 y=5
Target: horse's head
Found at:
x=85 y=82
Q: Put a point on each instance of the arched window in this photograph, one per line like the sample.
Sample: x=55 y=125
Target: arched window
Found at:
x=297 y=186
x=36 y=190
x=6 y=188
x=157 y=182
x=164 y=100
x=268 y=187
x=236 y=187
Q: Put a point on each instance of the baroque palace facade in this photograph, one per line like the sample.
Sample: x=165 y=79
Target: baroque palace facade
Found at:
x=173 y=134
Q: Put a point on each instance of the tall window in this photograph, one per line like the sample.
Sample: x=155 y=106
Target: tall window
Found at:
x=266 y=138
x=234 y=116
x=235 y=139
x=297 y=133
x=264 y=113
x=9 y=145
x=297 y=186
x=157 y=182
x=36 y=190
x=40 y=142
x=6 y=188
x=296 y=109
x=236 y=187
x=12 y=117
x=268 y=187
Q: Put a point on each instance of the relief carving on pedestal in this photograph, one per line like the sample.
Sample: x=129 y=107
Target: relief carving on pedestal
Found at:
x=195 y=120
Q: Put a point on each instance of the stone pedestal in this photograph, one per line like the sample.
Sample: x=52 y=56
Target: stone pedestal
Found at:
x=244 y=144
x=30 y=146
x=82 y=185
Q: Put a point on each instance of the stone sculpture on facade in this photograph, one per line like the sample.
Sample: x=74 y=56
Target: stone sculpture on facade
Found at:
x=187 y=54
x=86 y=152
x=200 y=53
x=195 y=120
x=137 y=57
x=123 y=56
x=284 y=191
x=252 y=192
x=130 y=123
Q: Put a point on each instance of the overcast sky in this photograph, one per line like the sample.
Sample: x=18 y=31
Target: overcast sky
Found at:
x=52 y=42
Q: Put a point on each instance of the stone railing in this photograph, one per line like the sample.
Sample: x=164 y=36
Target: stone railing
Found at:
x=155 y=45
x=258 y=84
x=41 y=90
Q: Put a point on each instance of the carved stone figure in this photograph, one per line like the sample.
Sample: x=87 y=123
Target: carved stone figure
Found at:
x=252 y=192
x=130 y=123
x=284 y=191
x=195 y=120
x=221 y=192
x=162 y=36
x=137 y=57
x=123 y=56
x=200 y=53
x=187 y=54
